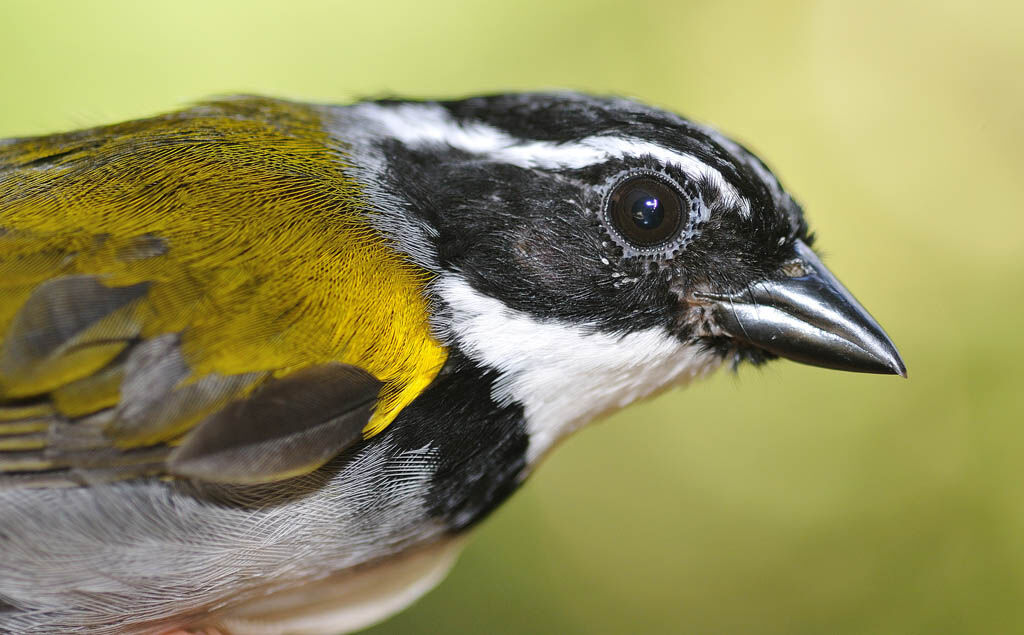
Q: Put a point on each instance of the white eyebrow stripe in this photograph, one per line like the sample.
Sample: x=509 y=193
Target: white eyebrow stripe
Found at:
x=746 y=156
x=418 y=125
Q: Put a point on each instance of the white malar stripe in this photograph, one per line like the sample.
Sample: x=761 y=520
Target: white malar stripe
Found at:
x=564 y=375
x=418 y=125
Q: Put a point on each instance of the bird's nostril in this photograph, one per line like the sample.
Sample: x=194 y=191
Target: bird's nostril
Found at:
x=795 y=268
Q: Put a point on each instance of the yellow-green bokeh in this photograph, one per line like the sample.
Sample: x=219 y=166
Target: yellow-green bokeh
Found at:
x=786 y=500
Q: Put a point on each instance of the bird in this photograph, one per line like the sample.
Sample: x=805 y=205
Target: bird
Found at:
x=264 y=364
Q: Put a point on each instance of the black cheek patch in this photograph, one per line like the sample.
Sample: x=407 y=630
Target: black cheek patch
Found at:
x=532 y=242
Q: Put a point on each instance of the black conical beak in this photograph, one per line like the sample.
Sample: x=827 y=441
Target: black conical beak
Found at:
x=809 y=318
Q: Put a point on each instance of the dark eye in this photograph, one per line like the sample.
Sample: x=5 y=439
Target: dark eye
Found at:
x=645 y=211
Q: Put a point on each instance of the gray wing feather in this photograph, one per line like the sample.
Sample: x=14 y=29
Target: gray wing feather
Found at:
x=289 y=426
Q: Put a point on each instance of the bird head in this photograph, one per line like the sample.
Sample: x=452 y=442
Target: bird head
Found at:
x=591 y=251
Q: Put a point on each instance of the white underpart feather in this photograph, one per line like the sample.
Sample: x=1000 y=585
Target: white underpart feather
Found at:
x=62 y=559
x=349 y=601
x=562 y=374
x=423 y=124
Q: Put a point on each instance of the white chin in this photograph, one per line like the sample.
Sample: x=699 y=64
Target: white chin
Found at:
x=564 y=375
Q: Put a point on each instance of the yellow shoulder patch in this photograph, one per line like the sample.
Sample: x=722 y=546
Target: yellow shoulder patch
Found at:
x=254 y=246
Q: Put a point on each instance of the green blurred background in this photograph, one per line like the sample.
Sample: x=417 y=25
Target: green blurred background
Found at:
x=784 y=500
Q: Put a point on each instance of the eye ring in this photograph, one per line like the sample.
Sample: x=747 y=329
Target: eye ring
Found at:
x=646 y=212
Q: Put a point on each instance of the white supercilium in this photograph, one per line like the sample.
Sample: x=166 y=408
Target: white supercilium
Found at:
x=422 y=124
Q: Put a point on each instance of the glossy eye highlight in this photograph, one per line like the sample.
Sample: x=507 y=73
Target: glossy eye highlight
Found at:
x=646 y=212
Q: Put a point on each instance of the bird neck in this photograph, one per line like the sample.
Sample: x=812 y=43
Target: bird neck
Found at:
x=479 y=446
x=561 y=375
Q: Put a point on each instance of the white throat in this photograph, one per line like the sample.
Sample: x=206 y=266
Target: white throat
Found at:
x=563 y=375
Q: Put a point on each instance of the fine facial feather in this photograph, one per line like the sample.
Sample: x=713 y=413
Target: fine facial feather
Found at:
x=564 y=375
x=573 y=321
x=117 y=245
x=425 y=125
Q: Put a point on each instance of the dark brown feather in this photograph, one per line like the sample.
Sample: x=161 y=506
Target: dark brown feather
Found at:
x=288 y=426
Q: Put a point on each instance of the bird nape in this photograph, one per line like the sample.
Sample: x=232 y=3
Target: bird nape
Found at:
x=264 y=363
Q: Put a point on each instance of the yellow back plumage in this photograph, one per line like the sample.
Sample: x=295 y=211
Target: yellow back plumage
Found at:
x=255 y=245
